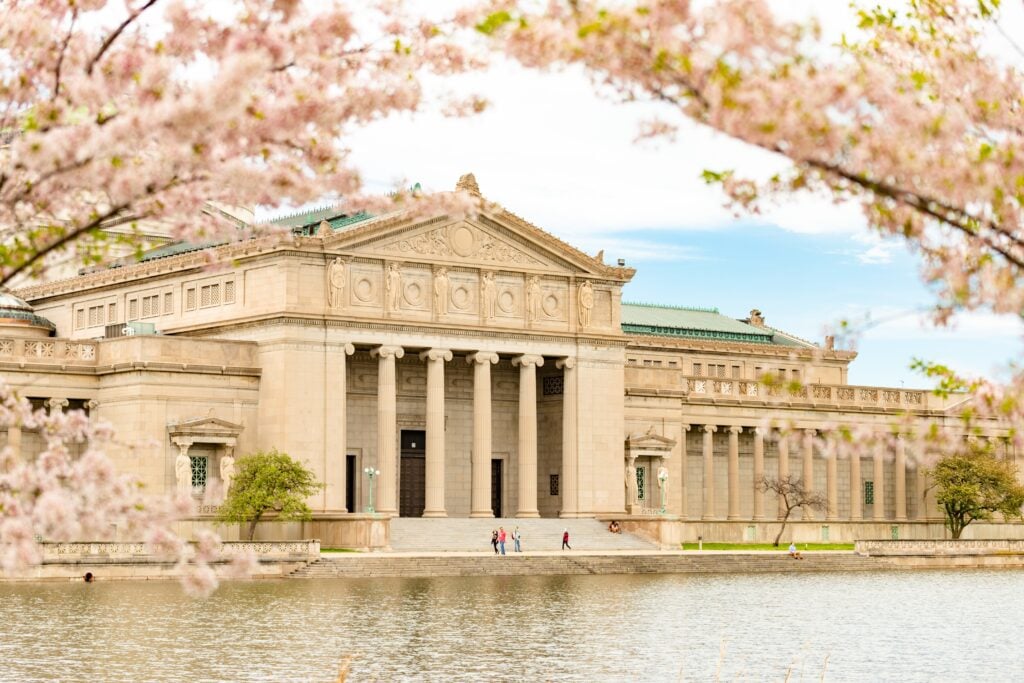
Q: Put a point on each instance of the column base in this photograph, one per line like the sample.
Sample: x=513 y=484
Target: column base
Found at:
x=527 y=514
x=483 y=514
x=577 y=515
x=901 y=519
x=734 y=518
x=435 y=513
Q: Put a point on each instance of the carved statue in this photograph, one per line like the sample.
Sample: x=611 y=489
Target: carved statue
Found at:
x=183 y=472
x=393 y=286
x=756 y=319
x=533 y=299
x=662 y=476
x=585 y=299
x=631 y=491
x=441 y=291
x=488 y=294
x=335 y=283
x=227 y=471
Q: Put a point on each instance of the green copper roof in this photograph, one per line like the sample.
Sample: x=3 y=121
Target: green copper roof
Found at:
x=308 y=222
x=695 y=323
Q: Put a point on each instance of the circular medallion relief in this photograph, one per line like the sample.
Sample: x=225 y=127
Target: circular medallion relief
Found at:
x=460 y=297
x=550 y=305
x=364 y=290
x=462 y=240
x=414 y=294
x=507 y=302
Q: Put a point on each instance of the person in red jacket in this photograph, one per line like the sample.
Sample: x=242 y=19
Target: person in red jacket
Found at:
x=565 y=540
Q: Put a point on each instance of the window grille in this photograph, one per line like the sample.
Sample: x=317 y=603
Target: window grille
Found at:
x=112 y=313
x=133 y=309
x=698 y=370
x=553 y=484
x=168 y=303
x=190 y=299
x=552 y=386
x=79 y=318
x=641 y=483
x=199 y=473
x=229 y=292
x=869 y=493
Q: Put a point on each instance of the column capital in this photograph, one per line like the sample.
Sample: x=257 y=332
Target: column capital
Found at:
x=810 y=432
x=735 y=429
x=482 y=357
x=57 y=403
x=183 y=445
x=436 y=354
x=565 y=363
x=348 y=348
x=685 y=426
x=528 y=359
x=92 y=404
x=387 y=352
x=710 y=428
x=762 y=431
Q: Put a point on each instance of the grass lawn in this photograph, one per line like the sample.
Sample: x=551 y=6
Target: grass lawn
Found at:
x=768 y=546
x=338 y=550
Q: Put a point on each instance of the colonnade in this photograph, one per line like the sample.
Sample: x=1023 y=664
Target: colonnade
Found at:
x=806 y=441
x=481 y=452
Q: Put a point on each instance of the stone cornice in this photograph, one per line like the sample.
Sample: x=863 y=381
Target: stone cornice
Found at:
x=655 y=343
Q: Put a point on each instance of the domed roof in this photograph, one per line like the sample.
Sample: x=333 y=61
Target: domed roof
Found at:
x=15 y=311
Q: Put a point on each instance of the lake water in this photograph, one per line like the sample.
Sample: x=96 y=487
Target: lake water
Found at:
x=877 y=626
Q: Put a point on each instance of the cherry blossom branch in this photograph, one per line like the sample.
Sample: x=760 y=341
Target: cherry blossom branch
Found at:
x=115 y=34
x=63 y=51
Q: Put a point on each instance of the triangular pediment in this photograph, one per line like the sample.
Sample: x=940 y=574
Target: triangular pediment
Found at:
x=205 y=426
x=493 y=238
x=649 y=441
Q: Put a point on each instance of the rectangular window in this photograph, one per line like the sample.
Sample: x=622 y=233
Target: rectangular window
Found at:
x=648 y=362
x=672 y=364
x=79 y=318
x=757 y=373
x=641 y=482
x=190 y=299
x=698 y=370
x=553 y=485
x=657 y=363
x=794 y=375
x=824 y=533
x=150 y=306
x=199 y=465
x=735 y=372
x=111 y=313
x=229 y=292
x=869 y=493
x=95 y=316
x=209 y=295
x=133 y=309
x=168 y=303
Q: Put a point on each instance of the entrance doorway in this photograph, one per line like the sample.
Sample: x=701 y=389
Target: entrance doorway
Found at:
x=496 y=486
x=412 y=476
x=351 y=474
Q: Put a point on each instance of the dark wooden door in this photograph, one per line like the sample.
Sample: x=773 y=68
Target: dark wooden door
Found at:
x=350 y=483
x=412 y=477
x=496 y=487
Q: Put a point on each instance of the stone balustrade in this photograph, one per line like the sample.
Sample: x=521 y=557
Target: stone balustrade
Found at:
x=939 y=547
x=60 y=351
x=815 y=394
x=116 y=552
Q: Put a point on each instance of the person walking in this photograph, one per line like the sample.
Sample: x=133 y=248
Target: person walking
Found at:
x=501 y=538
x=516 y=536
x=494 y=540
x=565 y=540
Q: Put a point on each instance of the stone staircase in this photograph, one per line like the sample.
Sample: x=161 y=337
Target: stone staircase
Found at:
x=416 y=534
x=376 y=565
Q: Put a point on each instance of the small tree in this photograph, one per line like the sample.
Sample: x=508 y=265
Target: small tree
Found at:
x=268 y=481
x=972 y=484
x=794 y=494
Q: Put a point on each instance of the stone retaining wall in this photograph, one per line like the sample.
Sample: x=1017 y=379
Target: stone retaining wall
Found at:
x=937 y=547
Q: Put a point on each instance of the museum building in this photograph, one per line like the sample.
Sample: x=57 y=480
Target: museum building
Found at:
x=482 y=366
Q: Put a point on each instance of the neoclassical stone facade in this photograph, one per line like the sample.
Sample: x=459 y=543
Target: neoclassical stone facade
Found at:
x=480 y=365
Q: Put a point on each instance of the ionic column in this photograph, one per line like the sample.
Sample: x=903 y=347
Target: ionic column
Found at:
x=528 y=365
x=570 y=455
x=758 y=473
x=335 y=432
x=783 y=469
x=734 y=471
x=480 y=491
x=832 y=483
x=808 y=473
x=387 y=429
x=434 y=504
x=879 y=507
x=709 y=472
x=14 y=440
x=57 y=405
x=856 y=512
x=684 y=504
x=900 y=471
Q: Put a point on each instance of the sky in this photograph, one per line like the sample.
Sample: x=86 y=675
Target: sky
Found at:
x=553 y=151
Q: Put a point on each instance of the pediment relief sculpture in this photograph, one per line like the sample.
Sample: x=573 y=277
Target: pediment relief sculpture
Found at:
x=461 y=241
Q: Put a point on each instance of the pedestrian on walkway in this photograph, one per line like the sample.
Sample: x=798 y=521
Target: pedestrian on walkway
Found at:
x=501 y=538
x=516 y=536
x=565 y=540
x=494 y=540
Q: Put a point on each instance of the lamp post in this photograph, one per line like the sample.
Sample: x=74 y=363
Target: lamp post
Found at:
x=371 y=473
x=662 y=479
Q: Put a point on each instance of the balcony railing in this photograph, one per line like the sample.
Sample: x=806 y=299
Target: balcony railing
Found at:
x=843 y=395
x=48 y=351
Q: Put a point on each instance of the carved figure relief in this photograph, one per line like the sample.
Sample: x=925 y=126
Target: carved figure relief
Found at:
x=488 y=293
x=393 y=287
x=183 y=472
x=461 y=240
x=227 y=471
x=533 y=299
x=585 y=299
x=631 y=490
x=441 y=291
x=336 y=283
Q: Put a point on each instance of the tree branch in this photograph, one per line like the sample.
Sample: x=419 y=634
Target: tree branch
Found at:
x=63 y=51
x=114 y=35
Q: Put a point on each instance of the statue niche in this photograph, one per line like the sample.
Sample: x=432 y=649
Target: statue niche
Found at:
x=441 y=291
x=336 y=283
x=585 y=301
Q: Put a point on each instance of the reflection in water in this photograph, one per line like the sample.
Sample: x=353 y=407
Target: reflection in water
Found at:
x=877 y=626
